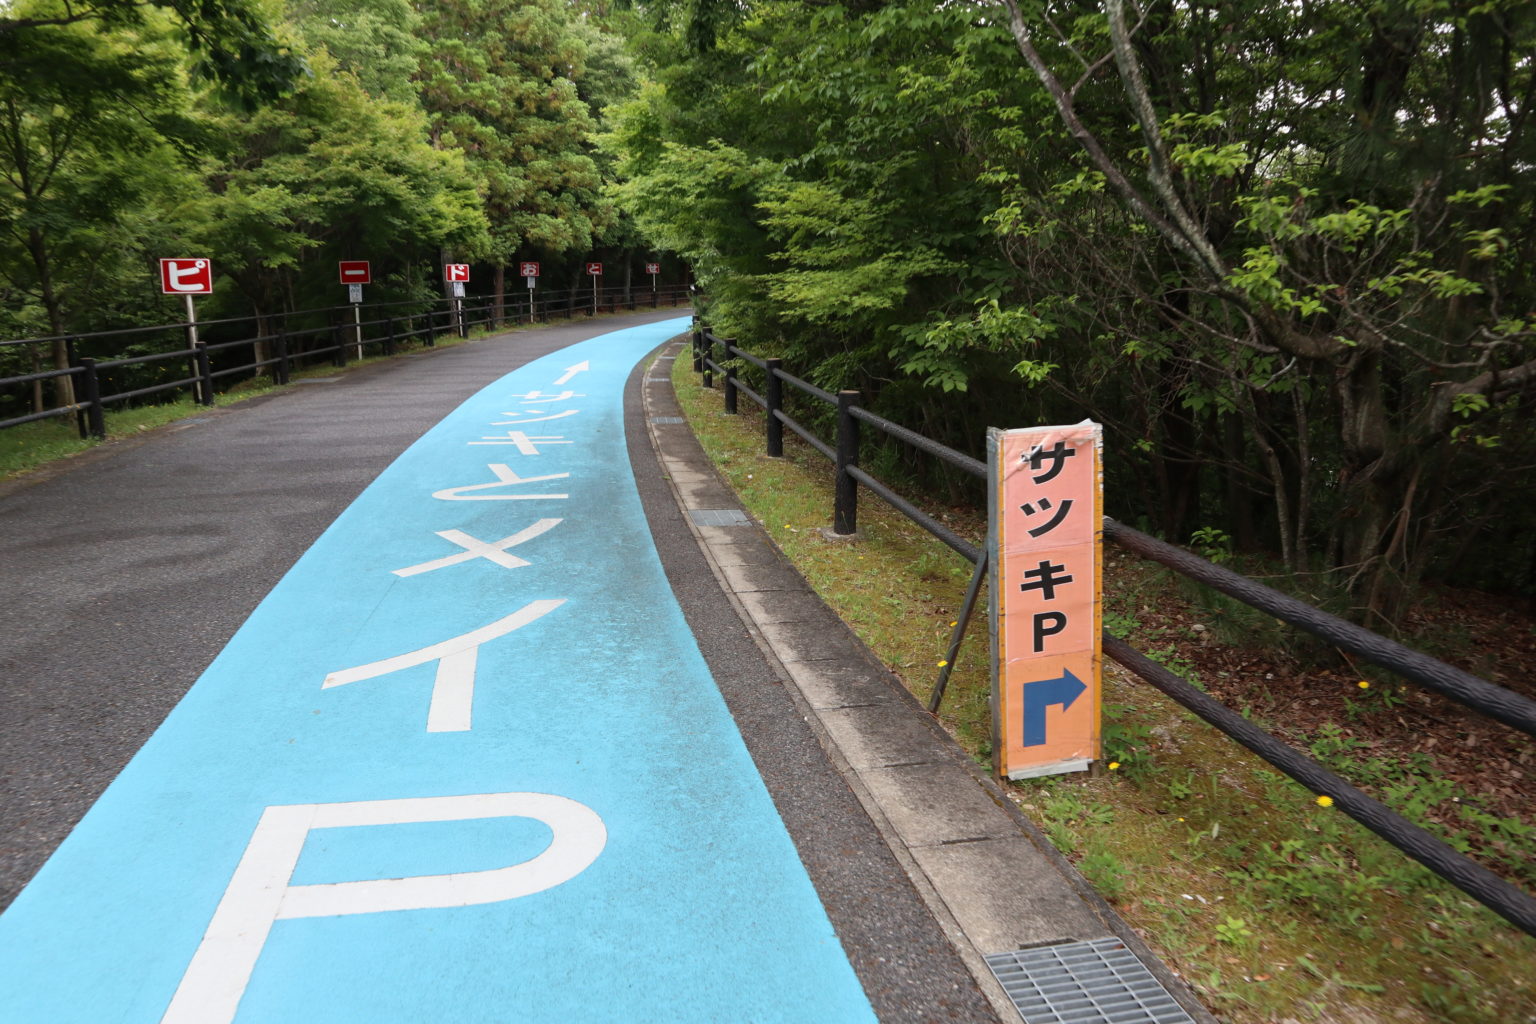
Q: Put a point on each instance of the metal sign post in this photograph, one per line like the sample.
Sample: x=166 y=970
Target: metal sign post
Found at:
x=456 y=274
x=1045 y=543
x=595 y=271
x=530 y=272
x=354 y=274
x=189 y=277
x=653 y=269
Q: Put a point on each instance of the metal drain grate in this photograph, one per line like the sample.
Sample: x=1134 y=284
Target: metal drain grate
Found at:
x=658 y=380
x=1093 y=982
x=666 y=419
x=718 y=517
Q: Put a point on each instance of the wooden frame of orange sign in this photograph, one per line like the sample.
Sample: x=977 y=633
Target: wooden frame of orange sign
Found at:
x=1046 y=541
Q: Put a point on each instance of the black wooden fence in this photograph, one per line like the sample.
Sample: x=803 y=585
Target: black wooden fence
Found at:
x=713 y=355
x=274 y=346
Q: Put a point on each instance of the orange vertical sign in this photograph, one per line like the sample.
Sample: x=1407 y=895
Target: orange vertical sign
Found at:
x=1046 y=541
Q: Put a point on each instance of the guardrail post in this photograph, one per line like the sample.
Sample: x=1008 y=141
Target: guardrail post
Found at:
x=730 y=376
x=845 y=503
x=709 y=354
x=774 y=396
x=204 y=374
x=389 y=335
x=339 y=345
x=698 y=347
x=93 y=421
x=282 y=369
x=431 y=340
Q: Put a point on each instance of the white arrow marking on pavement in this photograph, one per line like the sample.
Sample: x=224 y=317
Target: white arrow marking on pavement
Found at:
x=571 y=371
x=475 y=548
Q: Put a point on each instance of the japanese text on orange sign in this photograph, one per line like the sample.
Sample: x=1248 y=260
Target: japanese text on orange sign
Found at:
x=1048 y=534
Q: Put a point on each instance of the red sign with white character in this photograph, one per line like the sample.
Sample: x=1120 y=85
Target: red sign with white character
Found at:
x=186 y=277
x=595 y=269
x=529 y=269
x=355 y=272
x=653 y=269
x=455 y=271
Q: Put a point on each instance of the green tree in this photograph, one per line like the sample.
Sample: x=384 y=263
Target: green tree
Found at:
x=232 y=38
x=500 y=84
x=1268 y=246
x=331 y=173
x=83 y=126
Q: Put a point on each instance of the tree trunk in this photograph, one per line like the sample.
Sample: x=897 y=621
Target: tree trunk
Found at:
x=63 y=387
x=1239 y=499
x=499 y=299
x=261 y=350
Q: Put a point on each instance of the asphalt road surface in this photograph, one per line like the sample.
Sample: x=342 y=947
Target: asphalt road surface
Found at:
x=453 y=751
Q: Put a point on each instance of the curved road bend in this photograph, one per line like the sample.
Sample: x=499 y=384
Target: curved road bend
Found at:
x=463 y=760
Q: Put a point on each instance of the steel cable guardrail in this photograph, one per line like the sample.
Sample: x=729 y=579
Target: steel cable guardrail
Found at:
x=1500 y=703
x=343 y=333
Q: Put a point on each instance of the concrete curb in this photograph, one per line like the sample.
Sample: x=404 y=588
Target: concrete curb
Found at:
x=990 y=878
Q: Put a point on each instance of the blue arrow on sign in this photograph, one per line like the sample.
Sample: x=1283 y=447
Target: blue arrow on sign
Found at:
x=1043 y=693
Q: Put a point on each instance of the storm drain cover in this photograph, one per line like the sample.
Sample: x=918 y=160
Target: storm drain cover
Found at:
x=666 y=419
x=718 y=517
x=1093 y=982
x=658 y=380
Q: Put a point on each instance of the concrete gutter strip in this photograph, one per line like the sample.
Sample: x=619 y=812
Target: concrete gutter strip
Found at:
x=988 y=875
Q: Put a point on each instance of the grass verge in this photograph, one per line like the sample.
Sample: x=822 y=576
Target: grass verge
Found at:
x=1276 y=909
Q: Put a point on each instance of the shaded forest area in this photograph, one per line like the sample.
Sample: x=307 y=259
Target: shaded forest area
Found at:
x=276 y=139
x=1283 y=252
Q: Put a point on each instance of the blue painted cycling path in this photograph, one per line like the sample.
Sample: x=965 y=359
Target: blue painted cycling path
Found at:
x=465 y=762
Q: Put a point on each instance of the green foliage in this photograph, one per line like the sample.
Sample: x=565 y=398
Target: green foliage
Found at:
x=232 y=40
x=500 y=83
x=1277 y=306
x=458 y=127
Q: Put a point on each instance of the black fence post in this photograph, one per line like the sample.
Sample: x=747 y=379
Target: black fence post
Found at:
x=431 y=340
x=730 y=375
x=93 y=421
x=709 y=353
x=845 y=503
x=774 y=396
x=204 y=374
x=389 y=335
x=338 y=343
x=698 y=347
x=282 y=370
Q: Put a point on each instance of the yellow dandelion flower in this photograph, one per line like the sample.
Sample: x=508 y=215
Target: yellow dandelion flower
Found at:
x=1364 y=684
x=942 y=663
x=1325 y=801
x=952 y=625
x=1114 y=765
